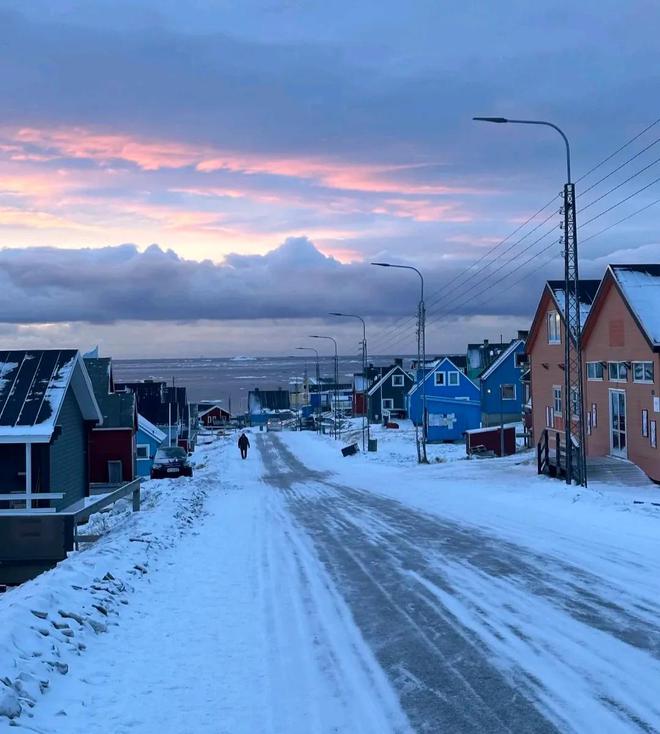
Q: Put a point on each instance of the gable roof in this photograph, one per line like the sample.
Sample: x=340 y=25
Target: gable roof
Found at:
x=436 y=367
x=640 y=287
x=213 y=407
x=379 y=383
x=33 y=385
x=147 y=427
x=501 y=359
x=555 y=290
x=118 y=408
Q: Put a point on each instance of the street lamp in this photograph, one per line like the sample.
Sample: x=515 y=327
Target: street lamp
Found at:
x=573 y=381
x=421 y=355
x=365 y=416
x=337 y=431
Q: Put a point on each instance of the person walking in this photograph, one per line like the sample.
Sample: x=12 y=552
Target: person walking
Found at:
x=243 y=445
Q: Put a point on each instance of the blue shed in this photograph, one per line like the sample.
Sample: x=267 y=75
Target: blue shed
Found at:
x=452 y=402
x=501 y=387
x=148 y=440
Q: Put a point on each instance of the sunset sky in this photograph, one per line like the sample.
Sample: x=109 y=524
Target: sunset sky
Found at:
x=214 y=177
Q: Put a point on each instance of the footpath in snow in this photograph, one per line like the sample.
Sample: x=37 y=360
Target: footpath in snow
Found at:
x=299 y=591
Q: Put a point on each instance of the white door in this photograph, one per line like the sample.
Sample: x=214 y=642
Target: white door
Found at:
x=618 y=443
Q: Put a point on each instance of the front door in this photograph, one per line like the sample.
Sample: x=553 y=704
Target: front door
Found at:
x=618 y=443
x=114 y=472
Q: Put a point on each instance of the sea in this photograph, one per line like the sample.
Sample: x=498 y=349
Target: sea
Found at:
x=229 y=379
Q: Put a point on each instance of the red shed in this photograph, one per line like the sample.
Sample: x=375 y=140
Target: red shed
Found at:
x=214 y=416
x=479 y=440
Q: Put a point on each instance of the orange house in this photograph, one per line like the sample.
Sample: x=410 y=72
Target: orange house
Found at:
x=621 y=358
x=545 y=348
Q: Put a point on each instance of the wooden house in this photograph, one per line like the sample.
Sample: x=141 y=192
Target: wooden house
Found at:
x=545 y=351
x=621 y=360
x=213 y=416
x=148 y=440
x=388 y=396
x=501 y=387
x=47 y=412
x=112 y=444
x=452 y=402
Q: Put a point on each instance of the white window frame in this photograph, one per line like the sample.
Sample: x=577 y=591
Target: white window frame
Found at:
x=602 y=372
x=398 y=381
x=142 y=446
x=557 y=400
x=451 y=376
x=643 y=363
x=385 y=407
x=435 y=379
x=618 y=378
x=512 y=385
x=554 y=331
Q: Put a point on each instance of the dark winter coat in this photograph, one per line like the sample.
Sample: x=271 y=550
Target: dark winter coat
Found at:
x=243 y=442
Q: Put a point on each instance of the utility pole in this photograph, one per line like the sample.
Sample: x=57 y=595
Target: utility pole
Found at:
x=574 y=428
x=337 y=428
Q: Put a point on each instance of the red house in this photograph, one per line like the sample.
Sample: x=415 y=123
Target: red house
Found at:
x=213 y=416
x=112 y=455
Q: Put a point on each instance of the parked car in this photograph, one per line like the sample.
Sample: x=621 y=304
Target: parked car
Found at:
x=171 y=462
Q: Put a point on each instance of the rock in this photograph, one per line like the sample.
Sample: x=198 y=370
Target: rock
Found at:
x=71 y=615
x=108 y=577
x=41 y=615
x=10 y=706
x=101 y=609
x=97 y=626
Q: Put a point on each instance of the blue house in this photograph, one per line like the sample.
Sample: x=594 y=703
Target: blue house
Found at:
x=453 y=403
x=501 y=387
x=148 y=440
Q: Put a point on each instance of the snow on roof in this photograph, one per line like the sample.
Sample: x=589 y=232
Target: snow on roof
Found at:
x=586 y=293
x=640 y=285
x=148 y=427
x=511 y=348
x=379 y=382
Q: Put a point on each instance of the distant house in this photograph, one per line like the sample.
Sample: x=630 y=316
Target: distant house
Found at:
x=47 y=412
x=213 y=416
x=501 y=387
x=452 y=402
x=545 y=349
x=148 y=440
x=111 y=445
x=480 y=356
x=388 y=396
x=621 y=359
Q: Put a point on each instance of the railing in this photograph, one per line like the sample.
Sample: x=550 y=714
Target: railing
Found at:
x=551 y=459
x=28 y=498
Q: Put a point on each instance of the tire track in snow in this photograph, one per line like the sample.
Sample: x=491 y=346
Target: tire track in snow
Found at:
x=379 y=551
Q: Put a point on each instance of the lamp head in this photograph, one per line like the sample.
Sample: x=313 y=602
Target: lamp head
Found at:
x=382 y=265
x=498 y=120
x=335 y=313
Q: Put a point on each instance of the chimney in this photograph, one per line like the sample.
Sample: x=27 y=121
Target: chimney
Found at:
x=485 y=342
x=398 y=362
x=523 y=334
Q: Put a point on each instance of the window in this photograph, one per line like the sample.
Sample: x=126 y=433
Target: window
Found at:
x=556 y=399
x=387 y=404
x=595 y=371
x=439 y=378
x=452 y=378
x=554 y=328
x=575 y=403
x=142 y=451
x=642 y=371
x=617 y=371
x=508 y=392
x=397 y=380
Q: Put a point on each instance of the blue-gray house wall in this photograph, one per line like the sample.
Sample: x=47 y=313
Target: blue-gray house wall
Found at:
x=68 y=454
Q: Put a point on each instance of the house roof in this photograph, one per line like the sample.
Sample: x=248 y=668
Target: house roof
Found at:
x=33 y=385
x=640 y=287
x=212 y=407
x=378 y=383
x=503 y=356
x=435 y=368
x=118 y=408
x=587 y=290
x=147 y=427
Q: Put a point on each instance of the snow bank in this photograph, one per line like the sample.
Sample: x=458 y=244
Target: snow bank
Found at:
x=47 y=623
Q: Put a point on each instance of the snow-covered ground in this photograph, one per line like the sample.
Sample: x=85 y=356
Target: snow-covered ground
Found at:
x=300 y=591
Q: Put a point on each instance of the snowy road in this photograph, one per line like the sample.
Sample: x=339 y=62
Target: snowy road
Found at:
x=303 y=605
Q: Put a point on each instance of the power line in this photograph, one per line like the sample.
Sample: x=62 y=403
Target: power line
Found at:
x=619 y=221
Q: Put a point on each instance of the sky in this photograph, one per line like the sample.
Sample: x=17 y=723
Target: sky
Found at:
x=213 y=178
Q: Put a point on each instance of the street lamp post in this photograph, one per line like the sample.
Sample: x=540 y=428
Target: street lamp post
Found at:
x=337 y=430
x=421 y=355
x=318 y=369
x=574 y=430
x=365 y=389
